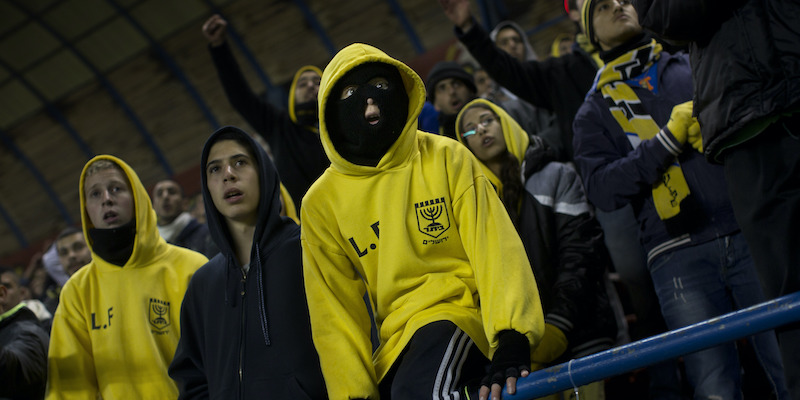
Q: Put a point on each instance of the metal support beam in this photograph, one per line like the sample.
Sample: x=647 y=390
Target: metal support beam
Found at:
x=486 y=15
x=36 y=174
x=170 y=62
x=14 y=228
x=54 y=112
x=412 y=34
x=546 y=24
x=312 y=20
x=148 y=138
x=233 y=34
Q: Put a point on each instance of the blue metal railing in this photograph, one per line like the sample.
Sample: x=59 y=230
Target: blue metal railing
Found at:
x=669 y=345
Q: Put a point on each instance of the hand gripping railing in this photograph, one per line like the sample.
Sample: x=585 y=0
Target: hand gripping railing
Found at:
x=669 y=345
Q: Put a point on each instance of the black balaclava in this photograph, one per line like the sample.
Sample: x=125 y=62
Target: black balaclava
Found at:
x=114 y=245
x=306 y=114
x=352 y=136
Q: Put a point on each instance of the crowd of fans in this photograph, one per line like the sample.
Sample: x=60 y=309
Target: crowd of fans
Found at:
x=388 y=237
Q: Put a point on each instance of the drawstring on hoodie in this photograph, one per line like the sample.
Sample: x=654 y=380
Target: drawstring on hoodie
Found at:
x=260 y=290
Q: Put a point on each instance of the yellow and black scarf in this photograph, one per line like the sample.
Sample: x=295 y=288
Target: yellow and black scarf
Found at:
x=638 y=67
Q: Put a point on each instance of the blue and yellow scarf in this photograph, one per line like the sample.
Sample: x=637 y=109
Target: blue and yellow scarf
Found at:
x=638 y=67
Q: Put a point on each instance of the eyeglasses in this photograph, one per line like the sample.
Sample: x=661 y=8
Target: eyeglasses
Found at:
x=484 y=122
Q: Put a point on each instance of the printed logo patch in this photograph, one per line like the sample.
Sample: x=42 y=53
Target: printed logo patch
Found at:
x=159 y=314
x=432 y=217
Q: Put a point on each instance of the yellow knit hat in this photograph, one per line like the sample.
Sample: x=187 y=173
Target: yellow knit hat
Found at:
x=587 y=14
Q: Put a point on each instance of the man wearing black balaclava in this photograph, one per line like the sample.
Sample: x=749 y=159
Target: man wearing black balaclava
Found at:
x=408 y=218
x=374 y=90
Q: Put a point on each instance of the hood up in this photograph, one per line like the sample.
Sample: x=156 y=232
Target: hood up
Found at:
x=403 y=148
x=530 y=55
x=517 y=140
x=147 y=241
x=555 y=47
x=270 y=230
x=297 y=115
x=270 y=226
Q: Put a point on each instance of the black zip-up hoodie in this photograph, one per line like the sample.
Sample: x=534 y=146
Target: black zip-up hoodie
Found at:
x=248 y=336
x=292 y=135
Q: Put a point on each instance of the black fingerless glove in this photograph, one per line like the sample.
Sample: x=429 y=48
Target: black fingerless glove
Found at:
x=513 y=356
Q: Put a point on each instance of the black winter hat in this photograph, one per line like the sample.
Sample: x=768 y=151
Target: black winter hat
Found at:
x=444 y=70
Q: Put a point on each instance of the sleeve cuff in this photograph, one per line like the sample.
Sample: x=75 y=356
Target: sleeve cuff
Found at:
x=669 y=142
x=559 y=322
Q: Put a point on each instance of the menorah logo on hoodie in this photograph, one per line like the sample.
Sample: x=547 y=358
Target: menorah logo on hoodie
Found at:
x=432 y=217
x=159 y=314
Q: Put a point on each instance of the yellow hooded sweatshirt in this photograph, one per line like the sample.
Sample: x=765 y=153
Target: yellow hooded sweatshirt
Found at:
x=517 y=140
x=292 y=106
x=422 y=232
x=116 y=328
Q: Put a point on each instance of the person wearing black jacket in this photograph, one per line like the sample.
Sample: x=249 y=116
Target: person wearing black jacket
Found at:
x=23 y=351
x=556 y=84
x=560 y=85
x=632 y=148
x=745 y=58
x=293 y=134
x=546 y=201
x=245 y=330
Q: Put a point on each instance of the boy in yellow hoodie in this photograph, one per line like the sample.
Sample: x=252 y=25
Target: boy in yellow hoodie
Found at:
x=409 y=218
x=118 y=323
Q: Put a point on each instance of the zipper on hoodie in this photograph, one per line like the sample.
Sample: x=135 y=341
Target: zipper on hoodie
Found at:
x=242 y=336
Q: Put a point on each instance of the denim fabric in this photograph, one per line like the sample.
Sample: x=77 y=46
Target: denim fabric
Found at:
x=621 y=233
x=700 y=282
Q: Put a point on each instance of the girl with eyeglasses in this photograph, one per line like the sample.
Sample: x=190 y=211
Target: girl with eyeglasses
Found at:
x=564 y=242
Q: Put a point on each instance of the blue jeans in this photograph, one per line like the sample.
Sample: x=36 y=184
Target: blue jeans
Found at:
x=700 y=282
x=621 y=233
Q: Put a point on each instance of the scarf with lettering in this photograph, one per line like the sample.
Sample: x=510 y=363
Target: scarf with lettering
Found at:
x=638 y=67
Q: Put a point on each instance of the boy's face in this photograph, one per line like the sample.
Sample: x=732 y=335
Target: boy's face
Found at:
x=307 y=87
x=509 y=41
x=451 y=95
x=487 y=141
x=483 y=82
x=167 y=201
x=232 y=179
x=615 y=22
x=109 y=200
x=73 y=253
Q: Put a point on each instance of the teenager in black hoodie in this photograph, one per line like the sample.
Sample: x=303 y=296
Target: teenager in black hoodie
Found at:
x=292 y=134
x=245 y=329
